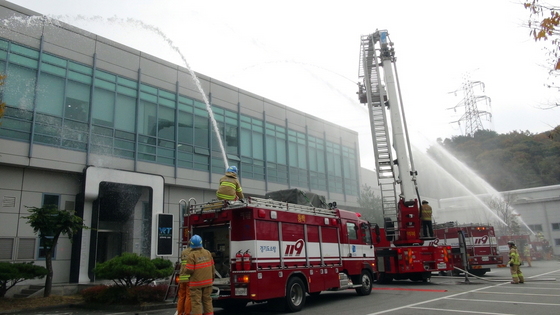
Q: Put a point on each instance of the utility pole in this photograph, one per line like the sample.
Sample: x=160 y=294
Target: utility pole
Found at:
x=472 y=116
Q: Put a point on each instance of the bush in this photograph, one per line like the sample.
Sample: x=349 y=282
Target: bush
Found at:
x=11 y=274
x=114 y=294
x=130 y=270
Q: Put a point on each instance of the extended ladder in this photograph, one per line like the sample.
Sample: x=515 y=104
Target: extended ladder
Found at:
x=372 y=93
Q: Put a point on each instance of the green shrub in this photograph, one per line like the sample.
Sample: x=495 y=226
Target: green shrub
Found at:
x=114 y=294
x=11 y=274
x=130 y=270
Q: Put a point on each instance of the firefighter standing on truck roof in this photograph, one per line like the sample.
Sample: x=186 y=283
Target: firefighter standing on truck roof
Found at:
x=426 y=217
x=514 y=262
x=184 y=302
x=200 y=266
x=230 y=188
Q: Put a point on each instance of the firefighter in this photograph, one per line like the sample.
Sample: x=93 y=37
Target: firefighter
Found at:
x=527 y=254
x=514 y=262
x=200 y=267
x=184 y=301
x=426 y=217
x=230 y=188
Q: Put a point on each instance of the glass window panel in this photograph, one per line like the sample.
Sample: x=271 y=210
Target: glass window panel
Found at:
x=258 y=150
x=166 y=123
x=245 y=142
x=79 y=77
x=271 y=149
x=80 y=68
x=281 y=152
x=3 y=55
x=201 y=130
x=126 y=91
x=127 y=82
x=186 y=100
x=185 y=127
x=105 y=76
x=106 y=85
x=167 y=95
x=50 y=94
x=61 y=72
x=54 y=60
x=147 y=118
x=148 y=89
x=77 y=101
x=103 y=107
x=24 y=51
x=148 y=97
x=125 y=107
x=19 y=87
x=166 y=102
x=24 y=61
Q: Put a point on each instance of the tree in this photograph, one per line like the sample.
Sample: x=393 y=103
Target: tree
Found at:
x=372 y=204
x=50 y=222
x=510 y=219
x=11 y=274
x=544 y=22
x=131 y=270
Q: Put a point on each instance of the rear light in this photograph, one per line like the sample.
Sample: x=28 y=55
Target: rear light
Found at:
x=242 y=279
x=261 y=213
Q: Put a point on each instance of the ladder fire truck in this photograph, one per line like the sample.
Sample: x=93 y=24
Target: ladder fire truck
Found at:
x=401 y=253
x=273 y=251
x=480 y=242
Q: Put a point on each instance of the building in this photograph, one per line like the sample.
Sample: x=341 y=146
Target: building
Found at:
x=120 y=136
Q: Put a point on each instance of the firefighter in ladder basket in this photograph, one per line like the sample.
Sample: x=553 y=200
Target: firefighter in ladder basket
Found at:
x=426 y=217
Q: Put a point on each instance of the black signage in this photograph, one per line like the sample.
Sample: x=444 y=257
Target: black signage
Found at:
x=165 y=234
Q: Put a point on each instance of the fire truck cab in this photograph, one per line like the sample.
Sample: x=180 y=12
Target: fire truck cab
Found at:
x=272 y=251
x=480 y=242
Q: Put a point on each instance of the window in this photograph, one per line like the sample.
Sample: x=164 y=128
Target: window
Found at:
x=351 y=229
x=557 y=242
x=535 y=227
x=555 y=227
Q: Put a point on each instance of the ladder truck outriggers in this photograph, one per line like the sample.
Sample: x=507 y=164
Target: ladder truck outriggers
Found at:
x=400 y=251
x=274 y=251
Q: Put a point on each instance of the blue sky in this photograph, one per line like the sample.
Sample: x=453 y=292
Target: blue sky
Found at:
x=304 y=54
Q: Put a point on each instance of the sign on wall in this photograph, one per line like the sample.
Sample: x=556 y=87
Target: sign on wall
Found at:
x=165 y=234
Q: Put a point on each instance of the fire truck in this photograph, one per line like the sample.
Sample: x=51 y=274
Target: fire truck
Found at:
x=480 y=242
x=401 y=253
x=272 y=251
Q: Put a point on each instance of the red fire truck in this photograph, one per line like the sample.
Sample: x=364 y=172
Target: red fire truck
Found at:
x=273 y=251
x=480 y=242
x=401 y=253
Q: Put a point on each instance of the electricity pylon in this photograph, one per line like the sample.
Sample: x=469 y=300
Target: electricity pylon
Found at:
x=472 y=116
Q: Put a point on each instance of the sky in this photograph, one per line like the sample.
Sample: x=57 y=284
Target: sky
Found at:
x=304 y=54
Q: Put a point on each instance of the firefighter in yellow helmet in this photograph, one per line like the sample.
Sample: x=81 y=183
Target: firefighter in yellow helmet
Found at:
x=230 y=188
x=184 y=294
x=514 y=262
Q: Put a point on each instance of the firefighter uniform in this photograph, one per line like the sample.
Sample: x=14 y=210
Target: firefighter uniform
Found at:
x=426 y=217
x=200 y=267
x=230 y=188
x=184 y=301
x=527 y=254
x=514 y=262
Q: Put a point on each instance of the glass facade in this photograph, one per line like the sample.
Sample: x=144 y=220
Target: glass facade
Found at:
x=58 y=102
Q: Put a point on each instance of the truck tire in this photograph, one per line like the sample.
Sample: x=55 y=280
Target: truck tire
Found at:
x=366 y=281
x=295 y=295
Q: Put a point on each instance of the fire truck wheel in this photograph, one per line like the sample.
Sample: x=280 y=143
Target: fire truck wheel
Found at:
x=366 y=282
x=295 y=294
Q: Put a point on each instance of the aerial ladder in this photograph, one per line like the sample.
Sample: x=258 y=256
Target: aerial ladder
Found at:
x=379 y=90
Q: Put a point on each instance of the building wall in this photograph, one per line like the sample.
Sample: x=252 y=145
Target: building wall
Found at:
x=75 y=100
